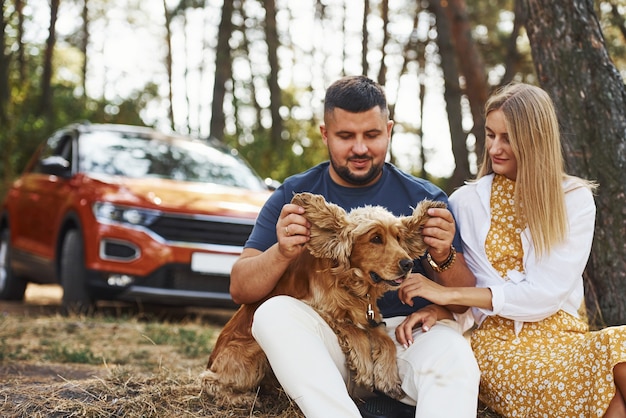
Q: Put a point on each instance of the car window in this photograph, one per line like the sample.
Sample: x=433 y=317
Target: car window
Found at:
x=138 y=156
x=58 y=145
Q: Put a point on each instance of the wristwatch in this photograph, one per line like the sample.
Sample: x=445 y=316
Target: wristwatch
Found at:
x=446 y=264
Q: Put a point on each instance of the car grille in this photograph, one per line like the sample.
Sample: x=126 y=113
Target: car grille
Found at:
x=202 y=230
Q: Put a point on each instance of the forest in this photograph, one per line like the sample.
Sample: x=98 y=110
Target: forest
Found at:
x=252 y=73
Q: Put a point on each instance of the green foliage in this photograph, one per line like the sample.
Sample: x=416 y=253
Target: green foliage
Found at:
x=300 y=147
x=26 y=130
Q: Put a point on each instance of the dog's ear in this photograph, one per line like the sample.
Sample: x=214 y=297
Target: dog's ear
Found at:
x=413 y=240
x=330 y=237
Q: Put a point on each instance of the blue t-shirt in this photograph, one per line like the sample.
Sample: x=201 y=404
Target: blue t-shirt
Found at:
x=395 y=190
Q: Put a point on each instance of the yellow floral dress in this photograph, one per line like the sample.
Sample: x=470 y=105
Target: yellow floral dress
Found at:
x=553 y=368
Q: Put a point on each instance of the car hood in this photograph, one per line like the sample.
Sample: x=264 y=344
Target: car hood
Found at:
x=178 y=196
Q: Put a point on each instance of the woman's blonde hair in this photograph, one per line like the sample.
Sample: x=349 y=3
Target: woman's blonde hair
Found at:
x=533 y=132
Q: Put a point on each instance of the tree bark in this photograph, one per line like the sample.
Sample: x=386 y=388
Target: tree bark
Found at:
x=223 y=71
x=473 y=69
x=5 y=58
x=271 y=38
x=573 y=65
x=512 y=58
x=45 y=103
x=21 y=59
x=382 y=70
x=83 y=46
x=365 y=41
x=168 y=63
x=452 y=95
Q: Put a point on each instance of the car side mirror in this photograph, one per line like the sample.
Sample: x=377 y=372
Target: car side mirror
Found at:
x=271 y=184
x=56 y=166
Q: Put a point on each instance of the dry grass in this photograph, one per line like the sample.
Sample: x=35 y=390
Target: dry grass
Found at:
x=116 y=363
x=109 y=366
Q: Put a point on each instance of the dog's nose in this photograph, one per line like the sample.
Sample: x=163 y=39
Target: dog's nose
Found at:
x=406 y=265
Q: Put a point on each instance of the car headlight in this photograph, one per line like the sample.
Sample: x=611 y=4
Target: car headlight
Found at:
x=108 y=212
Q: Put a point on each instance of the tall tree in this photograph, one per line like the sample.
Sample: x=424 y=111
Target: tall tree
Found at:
x=384 y=14
x=4 y=68
x=271 y=38
x=45 y=102
x=169 y=62
x=223 y=71
x=512 y=58
x=21 y=60
x=472 y=67
x=365 y=39
x=573 y=65
x=84 y=45
x=452 y=93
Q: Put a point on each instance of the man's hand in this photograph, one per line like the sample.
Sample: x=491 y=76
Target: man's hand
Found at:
x=438 y=233
x=292 y=231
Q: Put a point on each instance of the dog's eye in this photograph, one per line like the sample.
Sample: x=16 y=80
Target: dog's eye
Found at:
x=376 y=239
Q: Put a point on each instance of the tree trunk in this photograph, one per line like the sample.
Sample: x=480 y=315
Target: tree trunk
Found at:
x=365 y=41
x=223 y=70
x=382 y=70
x=4 y=70
x=21 y=59
x=45 y=103
x=168 y=63
x=473 y=69
x=512 y=58
x=573 y=65
x=258 y=109
x=452 y=95
x=83 y=47
x=271 y=37
x=410 y=48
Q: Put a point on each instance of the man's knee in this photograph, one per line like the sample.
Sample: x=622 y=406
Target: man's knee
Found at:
x=446 y=348
x=271 y=313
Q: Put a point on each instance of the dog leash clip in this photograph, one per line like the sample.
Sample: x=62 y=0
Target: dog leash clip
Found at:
x=370 y=313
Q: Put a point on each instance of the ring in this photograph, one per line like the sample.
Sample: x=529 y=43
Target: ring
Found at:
x=287 y=231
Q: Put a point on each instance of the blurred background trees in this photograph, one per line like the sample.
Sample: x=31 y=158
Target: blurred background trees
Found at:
x=253 y=73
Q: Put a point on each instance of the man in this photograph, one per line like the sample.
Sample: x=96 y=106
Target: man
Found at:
x=436 y=364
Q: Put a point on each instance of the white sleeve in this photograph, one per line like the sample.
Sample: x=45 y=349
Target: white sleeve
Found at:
x=547 y=283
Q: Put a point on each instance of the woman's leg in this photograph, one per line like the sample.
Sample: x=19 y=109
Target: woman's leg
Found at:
x=617 y=407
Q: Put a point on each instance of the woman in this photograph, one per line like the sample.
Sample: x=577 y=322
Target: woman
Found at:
x=527 y=229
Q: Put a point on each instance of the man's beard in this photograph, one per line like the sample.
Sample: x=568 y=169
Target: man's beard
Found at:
x=346 y=175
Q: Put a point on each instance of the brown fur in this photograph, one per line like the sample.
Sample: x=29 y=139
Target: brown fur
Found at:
x=352 y=259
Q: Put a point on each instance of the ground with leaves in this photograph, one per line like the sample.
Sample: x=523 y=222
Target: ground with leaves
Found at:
x=121 y=362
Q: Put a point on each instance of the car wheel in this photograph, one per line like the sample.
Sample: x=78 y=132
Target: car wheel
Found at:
x=76 y=297
x=11 y=287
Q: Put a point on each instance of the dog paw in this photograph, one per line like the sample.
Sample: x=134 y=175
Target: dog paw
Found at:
x=393 y=390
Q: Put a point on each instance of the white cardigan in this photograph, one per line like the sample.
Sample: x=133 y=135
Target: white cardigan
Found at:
x=551 y=283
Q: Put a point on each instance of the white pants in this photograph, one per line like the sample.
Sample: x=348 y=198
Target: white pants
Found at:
x=438 y=371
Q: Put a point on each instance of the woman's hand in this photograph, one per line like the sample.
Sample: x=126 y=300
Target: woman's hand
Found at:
x=425 y=317
x=419 y=285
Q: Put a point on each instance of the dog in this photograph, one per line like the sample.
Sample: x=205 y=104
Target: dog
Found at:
x=350 y=261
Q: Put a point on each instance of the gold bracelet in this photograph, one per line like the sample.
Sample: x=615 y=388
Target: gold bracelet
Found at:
x=446 y=264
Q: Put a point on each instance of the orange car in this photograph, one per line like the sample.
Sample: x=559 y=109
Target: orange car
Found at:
x=128 y=213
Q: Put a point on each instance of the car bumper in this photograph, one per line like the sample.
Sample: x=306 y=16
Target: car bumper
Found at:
x=156 y=271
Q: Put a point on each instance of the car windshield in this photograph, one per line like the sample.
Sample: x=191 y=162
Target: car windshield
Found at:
x=136 y=155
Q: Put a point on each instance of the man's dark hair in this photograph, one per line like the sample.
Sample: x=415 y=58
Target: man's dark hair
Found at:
x=354 y=94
